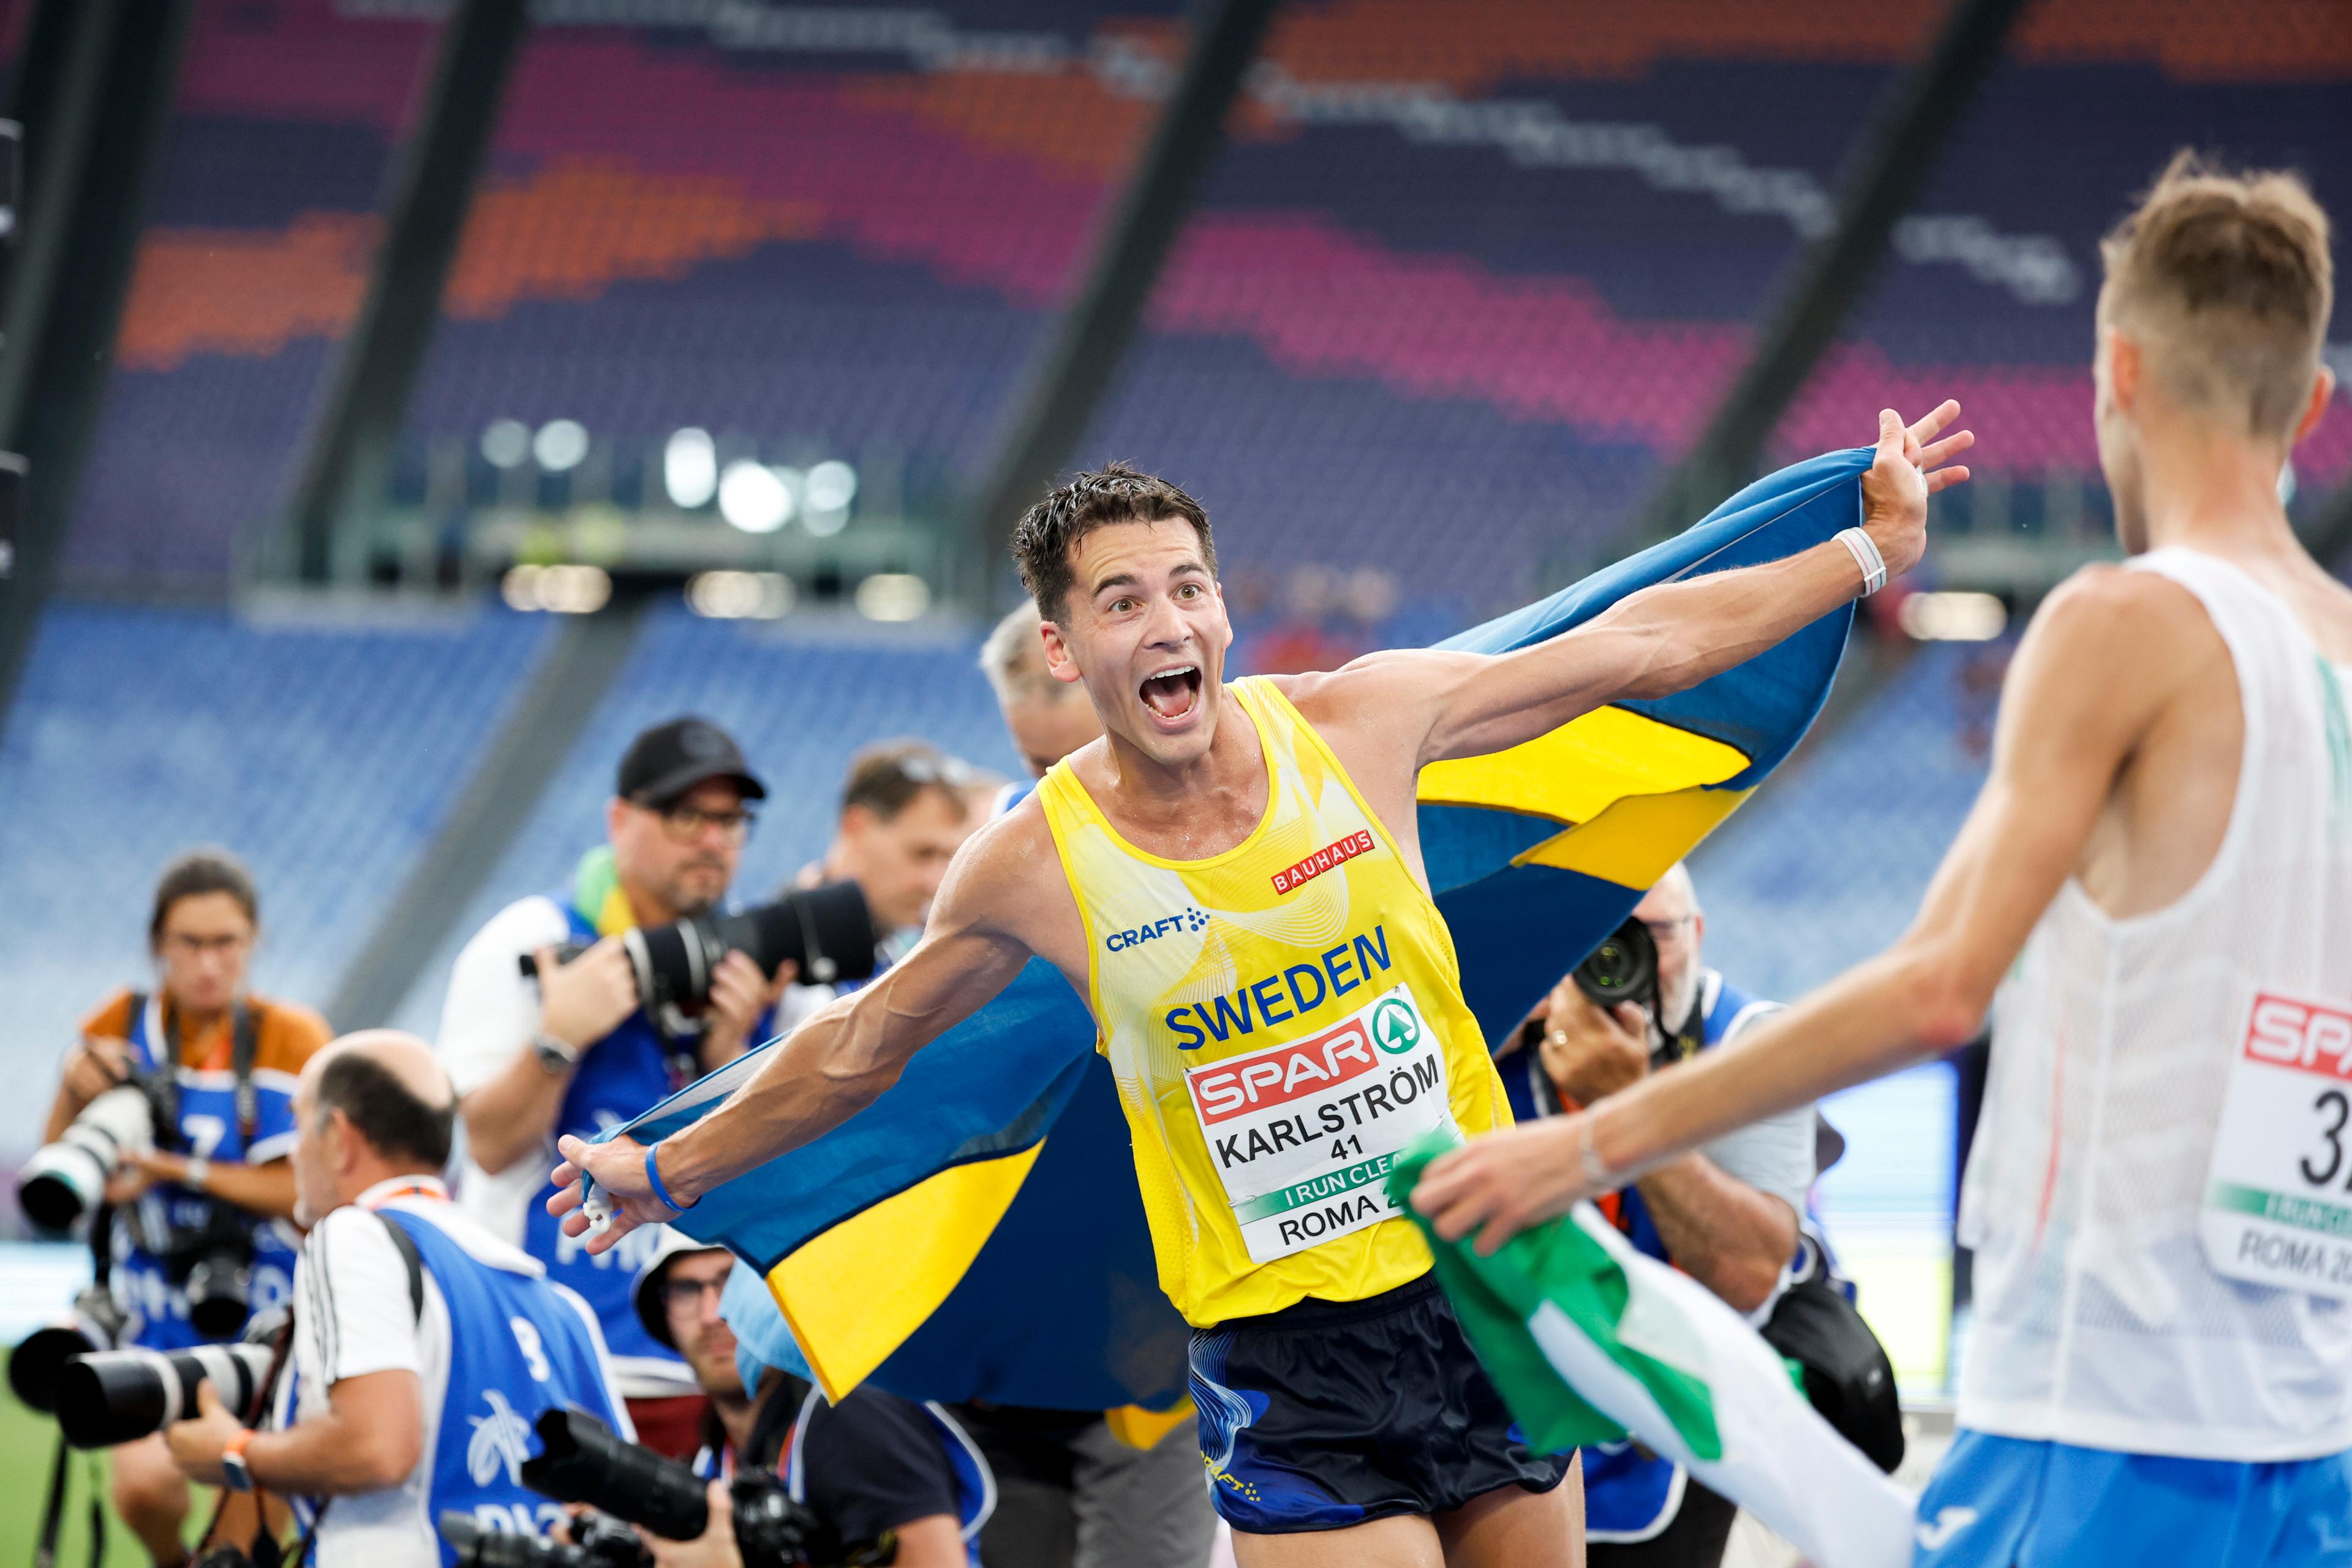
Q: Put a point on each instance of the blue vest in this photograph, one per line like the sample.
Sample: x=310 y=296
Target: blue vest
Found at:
x=619 y=1076
x=515 y=1349
x=1630 y=1493
x=209 y=1126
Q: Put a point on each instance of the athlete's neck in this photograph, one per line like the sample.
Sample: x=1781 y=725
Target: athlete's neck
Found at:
x=1151 y=791
x=2212 y=489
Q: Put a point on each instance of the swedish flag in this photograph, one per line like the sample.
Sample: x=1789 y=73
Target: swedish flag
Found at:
x=944 y=1245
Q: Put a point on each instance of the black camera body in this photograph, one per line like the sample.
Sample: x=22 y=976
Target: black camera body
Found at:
x=597 y=1542
x=581 y=1460
x=828 y=932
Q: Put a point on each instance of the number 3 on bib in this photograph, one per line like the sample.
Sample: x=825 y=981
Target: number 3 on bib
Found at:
x=2277 y=1208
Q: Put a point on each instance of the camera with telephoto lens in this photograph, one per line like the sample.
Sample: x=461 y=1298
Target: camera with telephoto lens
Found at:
x=1622 y=968
x=581 y=1460
x=596 y=1542
x=94 y=1322
x=118 y=1396
x=827 y=932
x=65 y=1180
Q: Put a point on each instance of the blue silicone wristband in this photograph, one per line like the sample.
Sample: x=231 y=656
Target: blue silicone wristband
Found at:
x=652 y=1178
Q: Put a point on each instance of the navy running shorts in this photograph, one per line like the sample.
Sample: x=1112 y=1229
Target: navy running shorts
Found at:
x=1328 y=1414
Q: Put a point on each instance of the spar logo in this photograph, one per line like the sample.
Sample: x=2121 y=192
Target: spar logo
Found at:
x=2303 y=1035
x=1192 y=920
x=1284 y=1073
x=1396 y=1029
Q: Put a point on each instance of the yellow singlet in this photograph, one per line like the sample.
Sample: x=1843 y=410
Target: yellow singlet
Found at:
x=1282 y=1019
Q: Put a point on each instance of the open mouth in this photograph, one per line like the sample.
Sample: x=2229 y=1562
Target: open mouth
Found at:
x=1171 y=692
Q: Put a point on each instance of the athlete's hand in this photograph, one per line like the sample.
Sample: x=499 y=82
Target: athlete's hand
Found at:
x=582 y=1002
x=1909 y=467
x=1499 y=1184
x=618 y=1169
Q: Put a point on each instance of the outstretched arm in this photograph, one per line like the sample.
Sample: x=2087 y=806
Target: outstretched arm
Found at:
x=1668 y=637
x=2089 y=680
x=833 y=1066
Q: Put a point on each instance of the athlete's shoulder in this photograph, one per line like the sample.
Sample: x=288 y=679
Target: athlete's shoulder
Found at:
x=1003 y=862
x=111 y=1018
x=2120 y=626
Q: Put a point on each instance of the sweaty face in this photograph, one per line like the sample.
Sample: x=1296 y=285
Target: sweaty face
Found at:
x=684 y=856
x=1049 y=728
x=899 y=864
x=203 y=948
x=1145 y=629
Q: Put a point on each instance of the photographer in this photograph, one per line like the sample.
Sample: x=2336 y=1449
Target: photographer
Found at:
x=201 y=1206
x=870 y=1465
x=906 y=809
x=1728 y=1217
x=573 y=1051
x=424 y=1347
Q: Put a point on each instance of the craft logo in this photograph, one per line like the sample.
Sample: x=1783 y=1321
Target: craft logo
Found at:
x=1323 y=860
x=2305 y=1035
x=1192 y=920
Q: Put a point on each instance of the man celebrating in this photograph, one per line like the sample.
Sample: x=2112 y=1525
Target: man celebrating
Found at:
x=2162 y=867
x=573 y=1052
x=424 y=1347
x=1232 y=877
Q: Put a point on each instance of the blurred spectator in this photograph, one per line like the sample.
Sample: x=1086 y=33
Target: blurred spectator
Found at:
x=1047 y=718
x=224 y=1065
x=1728 y=1217
x=871 y=1464
x=573 y=1052
x=906 y=809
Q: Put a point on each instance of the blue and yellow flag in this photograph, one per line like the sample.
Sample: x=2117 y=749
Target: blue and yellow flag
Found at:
x=943 y=1245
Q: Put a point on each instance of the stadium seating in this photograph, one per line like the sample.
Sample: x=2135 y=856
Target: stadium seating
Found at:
x=323 y=749
x=1484 y=261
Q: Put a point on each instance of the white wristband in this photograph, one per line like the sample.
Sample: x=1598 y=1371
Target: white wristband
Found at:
x=1865 y=551
x=1591 y=1165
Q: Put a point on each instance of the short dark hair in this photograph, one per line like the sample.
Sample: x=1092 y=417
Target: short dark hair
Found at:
x=884 y=779
x=1115 y=492
x=387 y=1113
x=195 y=873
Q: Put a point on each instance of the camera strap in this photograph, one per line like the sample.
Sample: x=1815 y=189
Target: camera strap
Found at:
x=245 y=1045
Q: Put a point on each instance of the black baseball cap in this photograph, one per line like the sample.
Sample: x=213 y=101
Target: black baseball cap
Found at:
x=670 y=759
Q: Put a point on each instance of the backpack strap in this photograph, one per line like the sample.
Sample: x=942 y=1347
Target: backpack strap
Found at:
x=407 y=1246
x=245 y=1042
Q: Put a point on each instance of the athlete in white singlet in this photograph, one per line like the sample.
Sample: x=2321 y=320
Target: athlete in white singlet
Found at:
x=2160 y=867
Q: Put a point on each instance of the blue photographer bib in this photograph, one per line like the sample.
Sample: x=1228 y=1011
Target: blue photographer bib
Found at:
x=209 y=1127
x=618 y=1077
x=1630 y=1493
x=515 y=1349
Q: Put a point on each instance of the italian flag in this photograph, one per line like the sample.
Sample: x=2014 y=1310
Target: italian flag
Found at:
x=1590 y=1341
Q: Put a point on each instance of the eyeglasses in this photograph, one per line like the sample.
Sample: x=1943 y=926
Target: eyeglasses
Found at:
x=198 y=946
x=686 y=1295
x=1667 y=931
x=686 y=824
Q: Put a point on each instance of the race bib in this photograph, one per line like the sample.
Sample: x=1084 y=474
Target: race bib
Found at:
x=2278 y=1197
x=1303 y=1133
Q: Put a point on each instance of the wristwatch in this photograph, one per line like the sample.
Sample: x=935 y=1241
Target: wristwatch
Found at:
x=558 y=1057
x=235 y=1473
x=199 y=1175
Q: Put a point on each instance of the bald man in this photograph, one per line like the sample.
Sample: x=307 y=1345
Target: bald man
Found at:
x=423 y=1346
x=1728 y=1216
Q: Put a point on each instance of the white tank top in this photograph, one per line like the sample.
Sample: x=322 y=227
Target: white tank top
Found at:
x=2098 y=1321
